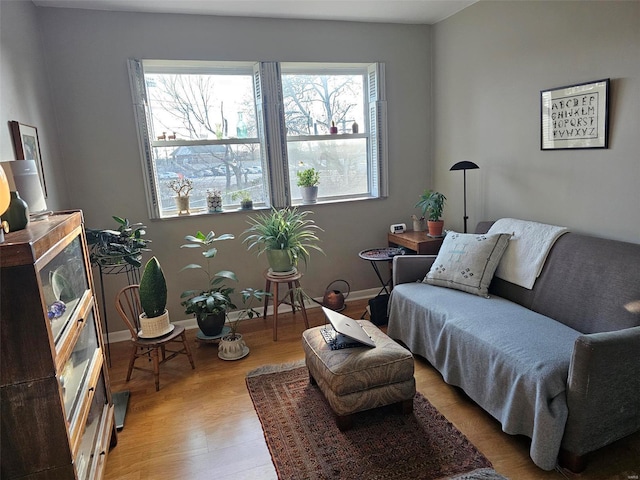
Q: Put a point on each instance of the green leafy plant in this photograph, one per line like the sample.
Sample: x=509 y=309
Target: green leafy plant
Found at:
x=432 y=204
x=284 y=229
x=249 y=297
x=153 y=289
x=309 y=177
x=216 y=296
x=123 y=245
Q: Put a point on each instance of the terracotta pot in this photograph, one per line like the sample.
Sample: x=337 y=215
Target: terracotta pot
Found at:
x=435 y=227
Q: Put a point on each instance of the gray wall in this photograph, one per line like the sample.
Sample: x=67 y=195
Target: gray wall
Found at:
x=24 y=93
x=490 y=62
x=86 y=53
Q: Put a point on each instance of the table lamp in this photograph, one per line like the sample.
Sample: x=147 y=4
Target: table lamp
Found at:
x=5 y=198
x=464 y=166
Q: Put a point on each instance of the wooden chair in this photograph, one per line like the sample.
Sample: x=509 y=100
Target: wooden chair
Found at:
x=128 y=306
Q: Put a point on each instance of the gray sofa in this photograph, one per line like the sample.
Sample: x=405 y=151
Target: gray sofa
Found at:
x=559 y=363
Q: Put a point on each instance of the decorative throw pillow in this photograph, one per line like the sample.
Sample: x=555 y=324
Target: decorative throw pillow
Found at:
x=467 y=261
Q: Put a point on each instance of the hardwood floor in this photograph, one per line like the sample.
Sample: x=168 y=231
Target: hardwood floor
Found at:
x=202 y=425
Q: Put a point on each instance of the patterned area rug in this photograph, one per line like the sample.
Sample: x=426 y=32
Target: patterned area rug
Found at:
x=305 y=442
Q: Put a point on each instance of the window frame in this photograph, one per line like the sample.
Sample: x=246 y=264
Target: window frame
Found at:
x=270 y=124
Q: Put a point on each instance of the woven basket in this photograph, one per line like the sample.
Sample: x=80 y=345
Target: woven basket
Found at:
x=155 y=326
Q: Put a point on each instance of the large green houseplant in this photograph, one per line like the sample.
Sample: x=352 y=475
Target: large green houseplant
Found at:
x=432 y=205
x=154 y=321
x=118 y=246
x=210 y=304
x=286 y=235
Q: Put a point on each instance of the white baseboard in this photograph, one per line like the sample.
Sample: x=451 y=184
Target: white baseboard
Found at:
x=190 y=323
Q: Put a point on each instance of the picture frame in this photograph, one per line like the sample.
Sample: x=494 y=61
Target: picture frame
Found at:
x=27 y=147
x=575 y=116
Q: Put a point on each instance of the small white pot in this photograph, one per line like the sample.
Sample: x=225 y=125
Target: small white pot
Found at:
x=232 y=349
x=309 y=195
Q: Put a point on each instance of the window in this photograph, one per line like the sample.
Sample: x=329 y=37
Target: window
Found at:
x=248 y=128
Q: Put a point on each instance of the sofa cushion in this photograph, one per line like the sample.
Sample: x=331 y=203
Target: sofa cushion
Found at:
x=467 y=262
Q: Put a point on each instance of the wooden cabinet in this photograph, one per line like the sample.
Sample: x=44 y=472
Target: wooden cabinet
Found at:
x=417 y=242
x=57 y=413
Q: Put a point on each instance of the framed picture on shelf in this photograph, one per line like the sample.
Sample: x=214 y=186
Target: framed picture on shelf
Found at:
x=27 y=147
x=575 y=116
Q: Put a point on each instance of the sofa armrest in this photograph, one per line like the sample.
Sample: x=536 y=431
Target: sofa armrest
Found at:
x=602 y=390
x=411 y=268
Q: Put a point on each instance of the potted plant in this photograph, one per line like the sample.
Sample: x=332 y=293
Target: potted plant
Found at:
x=182 y=188
x=115 y=247
x=286 y=235
x=308 y=181
x=246 y=203
x=154 y=321
x=232 y=346
x=209 y=305
x=432 y=205
x=214 y=201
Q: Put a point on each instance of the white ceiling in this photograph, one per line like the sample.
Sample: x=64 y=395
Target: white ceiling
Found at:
x=388 y=11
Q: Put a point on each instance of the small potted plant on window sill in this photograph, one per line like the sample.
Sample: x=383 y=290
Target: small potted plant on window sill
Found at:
x=432 y=205
x=182 y=188
x=308 y=181
x=246 y=203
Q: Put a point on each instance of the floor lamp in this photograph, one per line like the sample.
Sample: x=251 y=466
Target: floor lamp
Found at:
x=464 y=166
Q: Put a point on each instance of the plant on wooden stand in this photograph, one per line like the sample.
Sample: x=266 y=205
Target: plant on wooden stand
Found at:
x=432 y=205
x=286 y=235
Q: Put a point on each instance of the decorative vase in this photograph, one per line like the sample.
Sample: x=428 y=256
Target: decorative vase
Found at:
x=182 y=203
x=435 y=228
x=17 y=215
x=309 y=195
x=214 y=203
x=279 y=260
x=211 y=324
x=232 y=347
x=418 y=225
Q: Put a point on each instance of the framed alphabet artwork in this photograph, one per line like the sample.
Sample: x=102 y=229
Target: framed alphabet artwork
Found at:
x=575 y=116
x=27 y=147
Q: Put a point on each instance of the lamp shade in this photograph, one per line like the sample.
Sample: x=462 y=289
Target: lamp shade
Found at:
x=5 y=195
x=464 y=165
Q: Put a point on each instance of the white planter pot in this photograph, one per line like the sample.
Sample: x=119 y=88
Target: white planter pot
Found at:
x=232 y=349
x=153 y=327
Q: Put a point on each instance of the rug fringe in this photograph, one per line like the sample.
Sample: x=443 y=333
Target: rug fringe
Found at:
x=480 y=474
x=281 y=367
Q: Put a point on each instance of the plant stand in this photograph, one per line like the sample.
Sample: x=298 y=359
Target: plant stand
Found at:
x=202 y=338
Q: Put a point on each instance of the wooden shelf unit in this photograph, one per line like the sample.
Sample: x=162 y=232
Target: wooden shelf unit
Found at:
x=55 y=396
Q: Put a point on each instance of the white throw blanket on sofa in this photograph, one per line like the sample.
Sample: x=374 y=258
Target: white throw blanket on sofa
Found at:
x=528 y=248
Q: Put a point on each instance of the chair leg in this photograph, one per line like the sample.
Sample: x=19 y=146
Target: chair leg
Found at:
x=132 y=359
x=156 y=367
x=187 y=350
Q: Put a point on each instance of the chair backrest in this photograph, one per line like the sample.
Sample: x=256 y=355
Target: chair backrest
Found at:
x=129 y=308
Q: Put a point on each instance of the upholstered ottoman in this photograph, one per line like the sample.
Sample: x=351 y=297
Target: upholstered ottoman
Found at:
x=360 y=378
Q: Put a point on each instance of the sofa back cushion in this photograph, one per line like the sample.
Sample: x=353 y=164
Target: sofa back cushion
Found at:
x=590 y=284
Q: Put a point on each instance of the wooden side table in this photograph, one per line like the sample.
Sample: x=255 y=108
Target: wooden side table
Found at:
x=418 y=242
x=293 y=282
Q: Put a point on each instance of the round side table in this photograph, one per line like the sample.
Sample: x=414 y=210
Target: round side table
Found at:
x=293 y=282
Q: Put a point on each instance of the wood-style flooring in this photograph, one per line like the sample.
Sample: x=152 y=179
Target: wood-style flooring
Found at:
x=202 y=425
